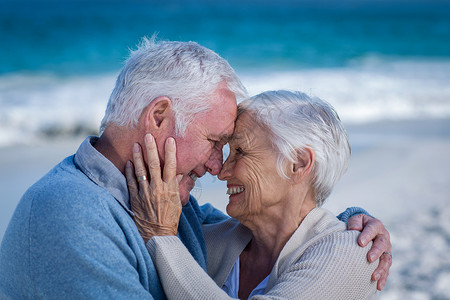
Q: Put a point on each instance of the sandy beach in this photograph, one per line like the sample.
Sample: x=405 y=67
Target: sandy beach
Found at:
x=398 y=172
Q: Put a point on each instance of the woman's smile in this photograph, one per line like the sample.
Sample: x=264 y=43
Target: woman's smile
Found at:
x=233 y=190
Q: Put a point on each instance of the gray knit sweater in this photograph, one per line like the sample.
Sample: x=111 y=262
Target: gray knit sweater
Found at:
x=321 y=260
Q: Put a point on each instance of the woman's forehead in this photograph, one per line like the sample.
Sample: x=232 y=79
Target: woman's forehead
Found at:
x=248 y=131
x=244 y=124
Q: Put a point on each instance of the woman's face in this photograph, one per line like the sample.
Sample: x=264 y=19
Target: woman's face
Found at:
x=253 y=182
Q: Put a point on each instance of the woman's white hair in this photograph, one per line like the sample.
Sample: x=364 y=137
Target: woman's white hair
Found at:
x=185 y=72
x=295 y=122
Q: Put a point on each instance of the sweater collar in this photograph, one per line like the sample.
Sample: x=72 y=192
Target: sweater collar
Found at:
x=102 y=172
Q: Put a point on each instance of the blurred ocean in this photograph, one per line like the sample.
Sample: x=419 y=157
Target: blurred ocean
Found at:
x=373 y=60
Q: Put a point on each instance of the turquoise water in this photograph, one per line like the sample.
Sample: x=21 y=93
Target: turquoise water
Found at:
x=373 y=60
x=93 y=36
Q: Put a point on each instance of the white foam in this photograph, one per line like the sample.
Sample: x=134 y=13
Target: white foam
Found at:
x=371 y=91
x=35 y=106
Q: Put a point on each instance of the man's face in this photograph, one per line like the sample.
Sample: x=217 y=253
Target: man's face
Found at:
x=200 y=150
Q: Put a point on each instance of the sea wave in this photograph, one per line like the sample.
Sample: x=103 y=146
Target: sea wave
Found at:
x=36 y=107
x=374 y=89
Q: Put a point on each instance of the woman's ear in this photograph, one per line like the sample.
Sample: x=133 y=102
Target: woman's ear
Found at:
x=158 y=117
x=304 y=164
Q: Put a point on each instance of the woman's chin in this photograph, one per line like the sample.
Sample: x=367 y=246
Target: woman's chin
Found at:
x=234 y=204
x=230 y=211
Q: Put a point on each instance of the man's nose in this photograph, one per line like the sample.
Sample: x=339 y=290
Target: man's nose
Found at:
x=214 y=163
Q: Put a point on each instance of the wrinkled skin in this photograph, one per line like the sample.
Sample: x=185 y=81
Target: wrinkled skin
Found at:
x=156 y=203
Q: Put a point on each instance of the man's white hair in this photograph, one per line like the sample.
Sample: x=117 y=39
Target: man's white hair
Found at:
x=185 y=72
x=295 y=122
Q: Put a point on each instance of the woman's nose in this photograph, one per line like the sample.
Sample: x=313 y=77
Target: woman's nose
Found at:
x=226 y=170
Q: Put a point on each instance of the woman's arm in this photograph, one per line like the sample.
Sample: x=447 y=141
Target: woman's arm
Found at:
x=181 y=276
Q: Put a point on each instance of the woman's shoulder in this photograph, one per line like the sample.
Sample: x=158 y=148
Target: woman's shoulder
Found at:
x=322 y=221
x=337 y=258
x=325 y=259
x=321 y=228
x=325 y=229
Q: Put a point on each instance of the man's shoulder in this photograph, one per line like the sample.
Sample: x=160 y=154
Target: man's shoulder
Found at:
x=225 y=234
x=65 y=178
x=63 y=190
x=65 y=202
x=64 y=172
x=226 y=226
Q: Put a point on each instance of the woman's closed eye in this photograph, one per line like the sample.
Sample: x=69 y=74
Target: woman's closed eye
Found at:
x=239 y=151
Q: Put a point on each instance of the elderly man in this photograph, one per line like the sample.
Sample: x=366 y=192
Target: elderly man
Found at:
x=72 y=234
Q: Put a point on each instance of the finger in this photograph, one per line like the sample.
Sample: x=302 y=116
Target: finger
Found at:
x=154 y=167
x=382 y=282
x=170 y=160
x=355 y=223
x=135 y=203
x=140 y=171
x=380 y=245
x=372 y=228
x=131 y=179
x=382 y=271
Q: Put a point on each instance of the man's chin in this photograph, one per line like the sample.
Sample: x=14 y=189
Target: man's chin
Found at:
x=184 y=197
x=185 y=186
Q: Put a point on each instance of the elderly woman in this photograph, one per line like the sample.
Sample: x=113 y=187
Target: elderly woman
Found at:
x=286 y=154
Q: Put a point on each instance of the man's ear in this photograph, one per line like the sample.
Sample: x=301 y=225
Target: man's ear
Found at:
x=304 y=164
x=158 y=117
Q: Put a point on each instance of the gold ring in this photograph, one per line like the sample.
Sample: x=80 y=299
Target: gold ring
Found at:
x=142 y=178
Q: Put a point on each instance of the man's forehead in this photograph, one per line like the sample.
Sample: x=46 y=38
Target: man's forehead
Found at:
x=222 y=115
x=226 y=132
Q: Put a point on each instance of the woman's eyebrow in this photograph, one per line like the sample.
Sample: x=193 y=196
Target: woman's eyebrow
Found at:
x=225 y=138
x=236 y=137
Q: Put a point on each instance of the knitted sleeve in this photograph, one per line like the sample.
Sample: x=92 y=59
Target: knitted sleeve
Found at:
x=181 y=276
x=350 y=212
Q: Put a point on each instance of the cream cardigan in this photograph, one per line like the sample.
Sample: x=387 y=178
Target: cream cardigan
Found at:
x=321 y=260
